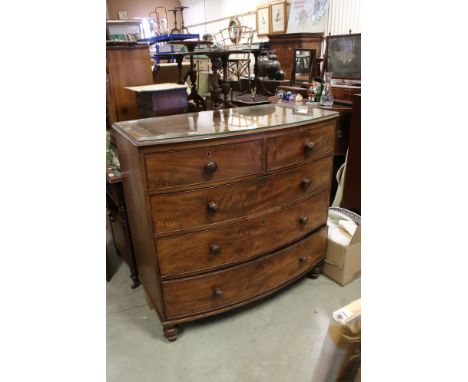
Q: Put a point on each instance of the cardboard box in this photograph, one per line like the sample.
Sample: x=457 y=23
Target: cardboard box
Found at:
x=340 y=357
x=343 y=262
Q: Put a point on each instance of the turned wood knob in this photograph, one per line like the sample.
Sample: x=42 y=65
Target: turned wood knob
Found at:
x=218 y=292
x=211 y=167
x=302 y=259
x=304 y=220
x=305 y=182
x=213 y=207
x=309 y=146
x=215 y=249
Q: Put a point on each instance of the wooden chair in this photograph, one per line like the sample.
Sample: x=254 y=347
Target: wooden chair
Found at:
x=238 y=64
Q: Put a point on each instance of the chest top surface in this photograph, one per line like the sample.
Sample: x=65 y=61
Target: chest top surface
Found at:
x=217 y=123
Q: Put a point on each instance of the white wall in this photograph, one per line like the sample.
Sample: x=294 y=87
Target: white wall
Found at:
x=207 y=10
x=343 y=15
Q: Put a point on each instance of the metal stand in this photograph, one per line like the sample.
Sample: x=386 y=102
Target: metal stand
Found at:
x=175 y=29
x=183 y=27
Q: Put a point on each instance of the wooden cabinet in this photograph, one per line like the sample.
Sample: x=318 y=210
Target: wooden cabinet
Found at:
x=285 y=44
x=125 y=66
x=352 y=182
x=118 y=222
x=222 y=217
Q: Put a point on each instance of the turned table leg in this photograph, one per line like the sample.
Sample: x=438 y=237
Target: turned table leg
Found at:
x=179 y=59
x=215 y=90
x=315 y=272
x=170 y=332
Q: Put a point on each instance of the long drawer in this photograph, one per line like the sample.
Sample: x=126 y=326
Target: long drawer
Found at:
x=299 y=146
x=208 y=250
x=200 y=165
x=240 y=283
x=189 y=209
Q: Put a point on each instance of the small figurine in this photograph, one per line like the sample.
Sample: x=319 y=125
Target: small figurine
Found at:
x=315 y=91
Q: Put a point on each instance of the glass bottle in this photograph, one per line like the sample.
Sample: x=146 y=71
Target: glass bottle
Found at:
x=327 y=95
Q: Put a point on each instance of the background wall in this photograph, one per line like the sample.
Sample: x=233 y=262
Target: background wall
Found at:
x=208 y=10
x=343 y=15
x=141 y=8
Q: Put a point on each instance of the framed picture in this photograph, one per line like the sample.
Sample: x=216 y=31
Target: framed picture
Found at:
x=278 y=17
x=263 y=20
x=308 y=16
x=122 y=15
x=343 y=56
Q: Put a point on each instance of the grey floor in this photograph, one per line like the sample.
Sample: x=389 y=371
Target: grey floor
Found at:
x=276 y=340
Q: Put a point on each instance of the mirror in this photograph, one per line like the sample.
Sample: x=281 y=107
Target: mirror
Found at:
x=303 y=60
x=343 y=56
x=234 y=30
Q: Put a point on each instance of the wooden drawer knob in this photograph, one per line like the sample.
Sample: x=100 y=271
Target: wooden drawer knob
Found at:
x=215 y=249
x=308 y=147
x=213 y=207
x=211 y=167
x=218 y=292
x=306 y=182
x=303 y=259
x=304 y=220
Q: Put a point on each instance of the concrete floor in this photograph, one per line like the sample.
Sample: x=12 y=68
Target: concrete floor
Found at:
x=276 y=340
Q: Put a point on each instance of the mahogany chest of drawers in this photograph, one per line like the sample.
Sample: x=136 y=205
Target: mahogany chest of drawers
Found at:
x=225 y=207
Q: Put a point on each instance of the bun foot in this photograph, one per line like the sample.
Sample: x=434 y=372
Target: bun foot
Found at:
x=315 y=273
x=170 y=332
x=136 y=281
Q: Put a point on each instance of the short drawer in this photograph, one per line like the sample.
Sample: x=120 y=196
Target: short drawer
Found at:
x=240 y=283
x=193 y=166
x=303 y=145
x=208 y=250
x=202 y=207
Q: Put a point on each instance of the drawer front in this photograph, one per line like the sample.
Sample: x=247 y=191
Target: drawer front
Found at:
x=190 y=209
x=299 y=146
x=223 y=288
x=188 y=167
x=208 y=250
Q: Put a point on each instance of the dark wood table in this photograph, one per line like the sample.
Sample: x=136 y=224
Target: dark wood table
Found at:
x=219 y=63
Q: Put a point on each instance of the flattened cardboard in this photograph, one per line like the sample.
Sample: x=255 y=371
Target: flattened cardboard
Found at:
x=341 y=349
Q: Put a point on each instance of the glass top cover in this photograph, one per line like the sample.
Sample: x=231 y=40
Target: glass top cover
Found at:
x=218 y=122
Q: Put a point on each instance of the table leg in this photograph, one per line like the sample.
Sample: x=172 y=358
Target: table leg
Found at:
x=215 y=91
x=225 y=85
x=194 y=96
x=256 y=54
x=179 y=60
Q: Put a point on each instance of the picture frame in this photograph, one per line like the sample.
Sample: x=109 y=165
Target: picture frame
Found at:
x=234 y=30
x=343 y=56
x=263 y=20
x=122 y=15
x=278 y=17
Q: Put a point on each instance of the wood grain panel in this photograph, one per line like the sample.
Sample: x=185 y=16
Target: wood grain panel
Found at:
x=214 y=290
x=126 y=67
x=289 y=149
x=188 y=167
x=208 y=250
x=190 y=209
